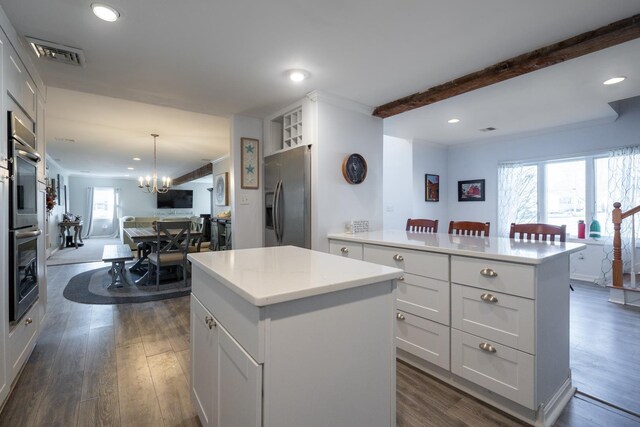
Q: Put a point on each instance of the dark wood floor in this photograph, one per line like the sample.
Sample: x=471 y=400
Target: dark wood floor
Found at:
x=128 y=365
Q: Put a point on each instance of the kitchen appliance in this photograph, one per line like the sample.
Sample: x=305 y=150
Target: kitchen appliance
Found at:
x=287 y=193
x=23 y=167
x=23 y=218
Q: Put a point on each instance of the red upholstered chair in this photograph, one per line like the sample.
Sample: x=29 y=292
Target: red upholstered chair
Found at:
x=536 y=232
x=469 y=228
x=422 y=225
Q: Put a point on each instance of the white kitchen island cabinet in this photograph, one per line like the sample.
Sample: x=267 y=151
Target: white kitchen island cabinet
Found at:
x=489 y=316
x=286 y=336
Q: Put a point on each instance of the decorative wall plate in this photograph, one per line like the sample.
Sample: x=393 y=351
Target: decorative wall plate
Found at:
x=354 y=168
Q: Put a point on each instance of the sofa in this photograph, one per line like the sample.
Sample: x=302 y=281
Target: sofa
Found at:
x=141 y=222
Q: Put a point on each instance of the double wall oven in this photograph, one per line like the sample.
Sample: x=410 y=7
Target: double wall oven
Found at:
x=23 y=218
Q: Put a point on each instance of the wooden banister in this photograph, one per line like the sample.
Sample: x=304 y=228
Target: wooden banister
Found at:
x=617 y=216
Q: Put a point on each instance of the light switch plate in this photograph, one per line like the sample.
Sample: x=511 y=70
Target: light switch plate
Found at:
x=244 y=199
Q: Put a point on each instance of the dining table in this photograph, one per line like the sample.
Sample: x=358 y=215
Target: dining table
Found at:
x=150 y=236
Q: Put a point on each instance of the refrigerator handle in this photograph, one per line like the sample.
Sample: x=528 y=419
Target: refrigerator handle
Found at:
x=276 y=211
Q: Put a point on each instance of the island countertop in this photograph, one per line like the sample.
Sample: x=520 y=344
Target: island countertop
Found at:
x=496 y=248
x=265 y=276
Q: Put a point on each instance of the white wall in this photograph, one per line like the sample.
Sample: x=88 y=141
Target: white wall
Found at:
x=430 y=159
x=342 y=128
x=246 y=205
x=478 y=161
x=55 y=216
x=133 y=201
x=397 y=195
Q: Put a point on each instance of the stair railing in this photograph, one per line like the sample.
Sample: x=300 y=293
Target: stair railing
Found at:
x=617 y=216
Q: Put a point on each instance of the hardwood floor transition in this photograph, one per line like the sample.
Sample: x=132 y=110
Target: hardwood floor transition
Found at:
x=128 y=365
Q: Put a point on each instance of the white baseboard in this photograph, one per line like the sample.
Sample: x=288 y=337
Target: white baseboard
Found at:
x=583 y=277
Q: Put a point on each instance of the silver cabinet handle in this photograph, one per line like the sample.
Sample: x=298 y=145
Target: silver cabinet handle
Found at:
x=487 y=272
x=28 y=321
x=210 y=322
x=344 y=250
x=401 y=278
x=485 y=346
x=398 y=257
x=488 y=298
x=400 y=316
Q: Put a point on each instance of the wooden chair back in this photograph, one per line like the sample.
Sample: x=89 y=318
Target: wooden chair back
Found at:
x=173 y=236
x=537 y=232
x=469 y=228
x=422 y=225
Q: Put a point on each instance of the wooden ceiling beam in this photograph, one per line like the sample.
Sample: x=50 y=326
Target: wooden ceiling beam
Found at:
x=583 y=44
x=196 y=174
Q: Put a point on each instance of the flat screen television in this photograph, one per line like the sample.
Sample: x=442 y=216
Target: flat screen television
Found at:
x=175 y=199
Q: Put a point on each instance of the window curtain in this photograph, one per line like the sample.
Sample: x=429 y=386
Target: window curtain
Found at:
x=517 y=195
x=624 y=187
x=88 y=209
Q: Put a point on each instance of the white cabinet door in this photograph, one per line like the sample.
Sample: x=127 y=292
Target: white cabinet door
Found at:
x=204 y=362
x=4 y=278
x=239 y=385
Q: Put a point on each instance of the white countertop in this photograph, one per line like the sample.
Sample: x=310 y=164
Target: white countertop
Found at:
x=265 y=276
x=497 y=248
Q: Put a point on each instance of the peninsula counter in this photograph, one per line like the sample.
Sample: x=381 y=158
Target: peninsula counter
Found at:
x=489 y=316
x=286 y=336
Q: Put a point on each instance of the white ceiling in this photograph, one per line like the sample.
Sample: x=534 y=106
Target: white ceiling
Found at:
x=228 y=57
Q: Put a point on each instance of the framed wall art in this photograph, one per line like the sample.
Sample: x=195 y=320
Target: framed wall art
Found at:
x=354 y=168
x=250 y=163
x=61 y=201
x=471 y=191
x=221 y=189
x=431 y=188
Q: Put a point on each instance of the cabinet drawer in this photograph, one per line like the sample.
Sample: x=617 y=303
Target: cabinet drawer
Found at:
x=498 y=317
x=22 y=339
x=423 y=338
x=503 y=370
x=424 y=297
x=425 y=264
x=510 y=278
x=346 y=249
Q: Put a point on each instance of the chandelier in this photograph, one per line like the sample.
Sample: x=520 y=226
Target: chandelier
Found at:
x=150 y=183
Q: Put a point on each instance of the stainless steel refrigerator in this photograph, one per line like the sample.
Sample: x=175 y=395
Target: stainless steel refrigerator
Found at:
x=287 y=194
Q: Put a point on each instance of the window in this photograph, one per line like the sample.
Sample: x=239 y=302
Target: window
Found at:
x=103 y=203
x=561 y=193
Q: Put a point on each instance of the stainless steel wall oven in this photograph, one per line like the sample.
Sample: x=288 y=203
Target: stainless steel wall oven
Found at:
x=23 y=218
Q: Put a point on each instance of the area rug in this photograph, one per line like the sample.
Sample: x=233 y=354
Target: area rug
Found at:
x=90 y=287
x=91 y=251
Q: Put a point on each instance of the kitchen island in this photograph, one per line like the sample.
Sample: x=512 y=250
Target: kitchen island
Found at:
x=285 y=336
x=489 y=316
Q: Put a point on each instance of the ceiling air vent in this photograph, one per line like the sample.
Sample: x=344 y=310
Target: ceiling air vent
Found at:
x=57 y=52
x=489 y=129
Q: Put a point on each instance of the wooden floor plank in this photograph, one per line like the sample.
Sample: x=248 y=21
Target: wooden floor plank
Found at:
x=126 y=328
x=101 y=315
x=184 y=358
x=172 y=390
x=153 y=327
x=178 y=314
x=136 y=393
x=100 y=381
x=88 y=413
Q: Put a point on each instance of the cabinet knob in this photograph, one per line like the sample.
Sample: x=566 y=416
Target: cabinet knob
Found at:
x=485 y=346
x=28 y=321
x=210 y=322
x=400 y=316
x=488 y=298
x=401 y=278
x=487 y=272
x=398 y=257
x=344 y=250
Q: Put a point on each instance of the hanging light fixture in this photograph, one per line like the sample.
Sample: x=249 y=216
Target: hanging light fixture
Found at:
x=150 y=183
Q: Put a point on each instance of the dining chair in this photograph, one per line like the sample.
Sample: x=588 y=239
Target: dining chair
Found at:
x=469 y=228
x=536 y=232
x=172 y=247
x=224 y=236
x=197 y=244
x=422 y=225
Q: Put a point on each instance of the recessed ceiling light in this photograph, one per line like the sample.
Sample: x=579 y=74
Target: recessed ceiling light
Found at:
x=453 y=121
x=105 y=12
x=130 y=169
x=298 y=75
x=137 y=159
x=614 y=80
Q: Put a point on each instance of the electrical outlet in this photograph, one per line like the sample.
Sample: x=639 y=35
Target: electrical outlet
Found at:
x=244 y=199
x=389 y=208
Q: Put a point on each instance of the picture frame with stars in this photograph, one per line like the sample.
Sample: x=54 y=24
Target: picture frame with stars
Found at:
x=250 y=163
